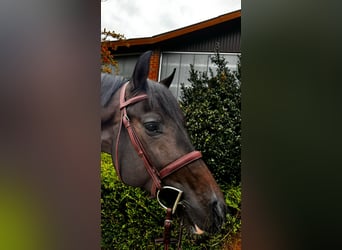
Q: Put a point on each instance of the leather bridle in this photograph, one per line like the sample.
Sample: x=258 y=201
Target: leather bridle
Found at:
x=156 y=176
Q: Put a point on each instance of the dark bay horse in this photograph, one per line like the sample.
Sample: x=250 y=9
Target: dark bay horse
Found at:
x=143 y=129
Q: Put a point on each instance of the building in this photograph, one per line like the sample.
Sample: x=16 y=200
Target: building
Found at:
x=194 y=44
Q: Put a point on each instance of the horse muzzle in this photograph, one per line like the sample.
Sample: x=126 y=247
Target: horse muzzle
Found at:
x=202 y=219
x=207 y=218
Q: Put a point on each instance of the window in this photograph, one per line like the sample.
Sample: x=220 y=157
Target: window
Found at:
x=181 y=61
x=126 y=65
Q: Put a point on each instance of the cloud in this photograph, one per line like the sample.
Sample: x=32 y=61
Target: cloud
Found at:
x=136 y=18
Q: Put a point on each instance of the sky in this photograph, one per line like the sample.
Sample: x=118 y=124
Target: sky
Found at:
x=145 y=18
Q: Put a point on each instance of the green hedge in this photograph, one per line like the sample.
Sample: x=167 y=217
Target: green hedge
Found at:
x=128 y=218
x=212 y=107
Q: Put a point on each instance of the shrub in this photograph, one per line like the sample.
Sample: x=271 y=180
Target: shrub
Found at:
x=129 y=219
x=212 y=107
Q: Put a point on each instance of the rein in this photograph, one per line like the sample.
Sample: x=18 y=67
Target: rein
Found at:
x=167 y=240
x=155 y=175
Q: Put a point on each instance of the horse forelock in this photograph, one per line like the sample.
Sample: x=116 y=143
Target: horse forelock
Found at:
x=109 y=85
x=161 y=98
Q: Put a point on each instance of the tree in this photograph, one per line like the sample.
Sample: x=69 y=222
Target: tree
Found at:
x=107 y=58
x=212 y=107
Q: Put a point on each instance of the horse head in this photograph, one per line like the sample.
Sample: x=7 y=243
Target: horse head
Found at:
x=156 y=120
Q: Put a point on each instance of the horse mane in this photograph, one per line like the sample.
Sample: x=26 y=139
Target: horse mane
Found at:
x=109 y=85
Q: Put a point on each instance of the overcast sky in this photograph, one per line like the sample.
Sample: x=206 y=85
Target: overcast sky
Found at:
x=145 y=18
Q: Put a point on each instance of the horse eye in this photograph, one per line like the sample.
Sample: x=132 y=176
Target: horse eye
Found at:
x=152 y=127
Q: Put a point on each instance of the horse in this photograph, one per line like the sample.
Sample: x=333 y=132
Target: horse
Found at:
x=142 y=127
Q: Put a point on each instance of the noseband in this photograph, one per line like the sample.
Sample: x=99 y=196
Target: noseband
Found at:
x=156 y=176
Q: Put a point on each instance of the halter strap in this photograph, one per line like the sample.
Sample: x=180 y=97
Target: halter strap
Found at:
x=152 y=171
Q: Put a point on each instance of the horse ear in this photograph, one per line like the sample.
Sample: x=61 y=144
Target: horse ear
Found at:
x=141 y=71
x=168 y=80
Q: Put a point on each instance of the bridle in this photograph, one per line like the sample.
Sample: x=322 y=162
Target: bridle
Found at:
x=156 y=176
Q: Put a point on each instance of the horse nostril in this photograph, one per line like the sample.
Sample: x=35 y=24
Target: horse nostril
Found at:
x=219 y=210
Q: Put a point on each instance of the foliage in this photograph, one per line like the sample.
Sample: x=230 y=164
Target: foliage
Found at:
x=128 y=218
x=123 y=210
x=107 y=58
x=111 y=34
x=212 y=107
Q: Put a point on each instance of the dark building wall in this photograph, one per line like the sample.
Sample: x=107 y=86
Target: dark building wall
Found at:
x=225 y=36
